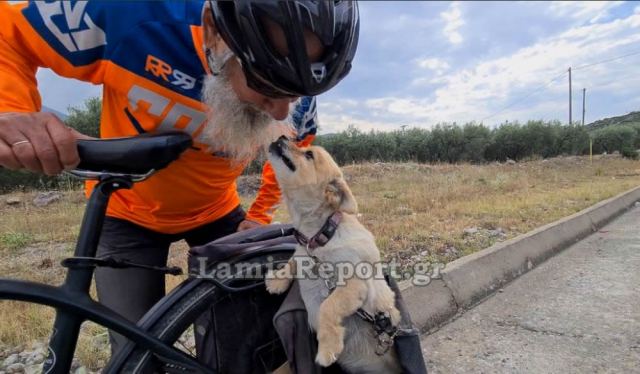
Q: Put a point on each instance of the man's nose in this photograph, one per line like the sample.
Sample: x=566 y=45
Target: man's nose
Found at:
x=278 y=108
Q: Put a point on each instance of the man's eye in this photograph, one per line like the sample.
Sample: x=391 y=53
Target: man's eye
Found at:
x=308 y=155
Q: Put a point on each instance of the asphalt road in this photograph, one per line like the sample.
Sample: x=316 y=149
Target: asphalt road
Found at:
x=579 y=312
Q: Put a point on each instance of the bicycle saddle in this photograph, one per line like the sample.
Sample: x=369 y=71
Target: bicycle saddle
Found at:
x=134 y=155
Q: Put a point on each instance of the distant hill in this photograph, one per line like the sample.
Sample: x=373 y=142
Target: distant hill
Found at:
x=60 y=115
x=627 y=119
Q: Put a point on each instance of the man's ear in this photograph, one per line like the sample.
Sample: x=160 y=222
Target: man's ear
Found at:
x=212 y=38
x=339 y=196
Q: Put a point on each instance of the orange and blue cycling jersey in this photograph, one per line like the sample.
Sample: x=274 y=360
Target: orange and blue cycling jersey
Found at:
x=148 y=56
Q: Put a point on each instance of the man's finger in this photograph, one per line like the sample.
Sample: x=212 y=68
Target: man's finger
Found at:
x=79 y=135
x=20 y=146
x=44 y=149
x=64 y=142
x=246 y=225
x=8 y=160
x=25 y=154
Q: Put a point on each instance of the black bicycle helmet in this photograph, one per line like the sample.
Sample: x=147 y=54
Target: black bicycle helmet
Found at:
x=335 y=23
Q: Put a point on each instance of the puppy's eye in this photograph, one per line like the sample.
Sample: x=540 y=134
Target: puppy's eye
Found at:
x=308 y=155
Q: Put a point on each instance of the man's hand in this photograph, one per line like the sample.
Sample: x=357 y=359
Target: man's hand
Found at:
x=246 y=225
x=38 y=142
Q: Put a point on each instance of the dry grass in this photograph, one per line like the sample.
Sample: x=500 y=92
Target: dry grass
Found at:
x=421 y=211
x=417 y=213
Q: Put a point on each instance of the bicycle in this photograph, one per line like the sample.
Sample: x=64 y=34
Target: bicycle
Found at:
x=150 y=347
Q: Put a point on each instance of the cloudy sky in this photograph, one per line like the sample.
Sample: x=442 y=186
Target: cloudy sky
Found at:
x=421 y=63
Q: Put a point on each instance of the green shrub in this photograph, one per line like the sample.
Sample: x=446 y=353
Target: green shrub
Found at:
x=86 y=119
x=613 y=138
x=21 y=180
x=14 y=240
x=470 y=142
x=629 y=153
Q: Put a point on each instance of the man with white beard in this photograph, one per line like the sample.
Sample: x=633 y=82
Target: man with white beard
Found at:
x=257 y=59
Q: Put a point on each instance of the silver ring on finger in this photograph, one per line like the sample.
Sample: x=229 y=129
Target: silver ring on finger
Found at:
x=20 y=142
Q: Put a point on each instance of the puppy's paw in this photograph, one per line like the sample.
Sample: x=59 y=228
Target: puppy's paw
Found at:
x=277 y=282
x=395 y=316
x=390 y=310
x=328 y=355
x=330 y=344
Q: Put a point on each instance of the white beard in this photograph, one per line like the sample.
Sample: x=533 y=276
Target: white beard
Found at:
x=238 y=129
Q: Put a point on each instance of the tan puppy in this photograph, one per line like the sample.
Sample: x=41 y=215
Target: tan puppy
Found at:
x=313 y=188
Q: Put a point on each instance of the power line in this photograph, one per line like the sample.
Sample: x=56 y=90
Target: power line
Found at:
x=546 y=85
x=607 y=60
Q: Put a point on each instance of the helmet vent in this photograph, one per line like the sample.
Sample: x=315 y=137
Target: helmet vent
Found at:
x=318 y=71
x=274 y=32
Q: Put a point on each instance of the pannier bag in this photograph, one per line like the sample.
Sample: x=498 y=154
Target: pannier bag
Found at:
x=249 y=331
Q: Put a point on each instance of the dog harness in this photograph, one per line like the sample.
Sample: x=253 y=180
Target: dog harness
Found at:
x=384 y=330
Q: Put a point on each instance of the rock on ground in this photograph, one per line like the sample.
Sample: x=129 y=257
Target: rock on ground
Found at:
x=46 y=198
x=13 y=201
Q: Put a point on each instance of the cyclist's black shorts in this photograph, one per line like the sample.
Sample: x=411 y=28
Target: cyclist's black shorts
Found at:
x=131 y=292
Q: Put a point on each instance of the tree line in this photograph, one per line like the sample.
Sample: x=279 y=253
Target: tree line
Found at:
x=476 y=143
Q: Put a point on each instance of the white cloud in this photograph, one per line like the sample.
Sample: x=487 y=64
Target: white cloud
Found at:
x=583 y=11
x=453 y=21
x=435 y=64
x=425 y=81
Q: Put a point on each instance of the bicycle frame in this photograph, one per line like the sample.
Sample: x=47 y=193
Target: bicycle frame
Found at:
x=74 y=305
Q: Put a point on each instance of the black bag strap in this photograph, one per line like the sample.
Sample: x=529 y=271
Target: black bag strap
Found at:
x=407 y=340
x=116 y=263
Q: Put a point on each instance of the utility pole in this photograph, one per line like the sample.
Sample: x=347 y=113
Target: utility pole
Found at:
x=570 y=118
x=584 y=92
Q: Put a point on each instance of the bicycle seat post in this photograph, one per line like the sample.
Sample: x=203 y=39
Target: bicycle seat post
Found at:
x=78 y=279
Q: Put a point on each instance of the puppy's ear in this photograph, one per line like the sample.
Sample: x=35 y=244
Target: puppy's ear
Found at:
x=339 y=196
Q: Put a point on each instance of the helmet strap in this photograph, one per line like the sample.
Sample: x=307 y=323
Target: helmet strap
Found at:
x=216 y=65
